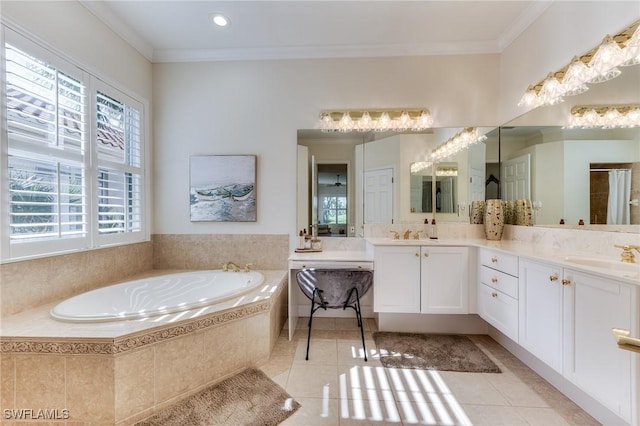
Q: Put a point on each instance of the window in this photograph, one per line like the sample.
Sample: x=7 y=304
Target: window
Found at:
x=75 y=163
x=334 y=209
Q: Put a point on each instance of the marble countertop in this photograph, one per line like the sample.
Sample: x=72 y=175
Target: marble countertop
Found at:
x=531 y=251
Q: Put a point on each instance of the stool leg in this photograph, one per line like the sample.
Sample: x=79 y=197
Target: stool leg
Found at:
x=359 y=316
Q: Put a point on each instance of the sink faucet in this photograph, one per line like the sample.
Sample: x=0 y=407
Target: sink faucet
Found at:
x=407 y=234
x=627 y=255
x=233 y=266
x=396 y=236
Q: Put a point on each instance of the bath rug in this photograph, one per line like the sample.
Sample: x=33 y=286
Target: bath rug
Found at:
x=249 y=398
x=443 y=352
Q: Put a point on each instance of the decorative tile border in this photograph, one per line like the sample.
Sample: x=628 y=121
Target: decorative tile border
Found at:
x=111 y=346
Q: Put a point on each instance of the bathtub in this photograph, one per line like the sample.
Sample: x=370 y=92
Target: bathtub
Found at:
x=157 y=295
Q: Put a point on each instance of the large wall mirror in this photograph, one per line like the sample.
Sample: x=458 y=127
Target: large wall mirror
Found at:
x=381 y=184
x=573 y=174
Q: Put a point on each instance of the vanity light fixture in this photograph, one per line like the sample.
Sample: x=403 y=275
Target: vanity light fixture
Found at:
x=419 y=166
x=461 y=140
x=446 y=171
x=604 y=116
x=379 y=120
x=596 y=66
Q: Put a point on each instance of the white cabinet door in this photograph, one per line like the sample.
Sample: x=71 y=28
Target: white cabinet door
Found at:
x=396 y=279
x=592 y=307
x=444 y=278
x=540 y=311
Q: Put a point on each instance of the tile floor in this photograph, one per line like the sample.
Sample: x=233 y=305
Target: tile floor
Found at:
x=337 y=387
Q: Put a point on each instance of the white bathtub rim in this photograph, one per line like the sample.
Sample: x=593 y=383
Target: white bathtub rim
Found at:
x=110 y=318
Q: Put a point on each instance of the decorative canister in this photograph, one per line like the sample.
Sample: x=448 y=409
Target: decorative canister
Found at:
x=493 y=220
x=509 y=213
x=477 y=212
x=523 y=211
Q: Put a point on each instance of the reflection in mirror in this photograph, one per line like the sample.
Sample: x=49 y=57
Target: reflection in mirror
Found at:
x=336 y=168
x=574 y=174
x=332 y=204
x=446 y=196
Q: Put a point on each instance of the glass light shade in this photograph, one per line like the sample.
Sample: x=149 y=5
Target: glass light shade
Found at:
x=632 y=118
x=607 y=57
x=365 y=123
x=346 y=123
x=384 y=123
x=530 y=98
x=551 y=91
x=612 y=118
x=424 y=121
x=577 y=74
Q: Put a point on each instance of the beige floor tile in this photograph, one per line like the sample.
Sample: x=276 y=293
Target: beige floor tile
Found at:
x=350 y=323
x=281 y=379
x=368 y=412
x=318 y=323
x=321 y=351
x=314 y=411
x=481 y=415
x=350 y=352
x=542 y=416
x=313 y=381
x=515 y=391
x=473 y=388
x=439 y=413
x=359 y=382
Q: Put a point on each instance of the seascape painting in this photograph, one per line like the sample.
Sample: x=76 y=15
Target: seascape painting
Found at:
x=223 y=188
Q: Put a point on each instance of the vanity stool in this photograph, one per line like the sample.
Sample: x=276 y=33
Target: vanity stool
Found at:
x=335 y=289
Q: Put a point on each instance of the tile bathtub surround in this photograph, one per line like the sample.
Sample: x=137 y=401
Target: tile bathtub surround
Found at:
x=121 y=381
x=205 y=251
x=336 y=387
x=30 y=283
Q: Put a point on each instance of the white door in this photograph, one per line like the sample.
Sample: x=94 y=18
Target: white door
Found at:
x=378 y=196
x=476 y=184
x=516 y=178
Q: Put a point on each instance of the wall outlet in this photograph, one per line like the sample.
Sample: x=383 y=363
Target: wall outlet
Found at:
x=352 y=230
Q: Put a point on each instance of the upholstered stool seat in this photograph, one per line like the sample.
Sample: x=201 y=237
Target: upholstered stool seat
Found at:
x=335 y=289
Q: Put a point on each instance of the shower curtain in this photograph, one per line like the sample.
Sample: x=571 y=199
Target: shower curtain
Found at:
x=619 y=195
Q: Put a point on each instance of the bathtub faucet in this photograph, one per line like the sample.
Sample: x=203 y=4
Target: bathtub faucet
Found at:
x=233 y=266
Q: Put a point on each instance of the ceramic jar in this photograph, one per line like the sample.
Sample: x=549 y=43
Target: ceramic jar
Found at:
x=493 y=220
x=477 y=212
x=509 y=213
x=524 y=213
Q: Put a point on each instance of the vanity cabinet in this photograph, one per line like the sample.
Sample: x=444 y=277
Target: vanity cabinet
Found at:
x=498 y=291
x=592 y=306
x=421 y=279
x=565 y=320
x=540 y=311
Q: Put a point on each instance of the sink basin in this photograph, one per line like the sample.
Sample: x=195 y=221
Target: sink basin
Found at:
x=608 y=264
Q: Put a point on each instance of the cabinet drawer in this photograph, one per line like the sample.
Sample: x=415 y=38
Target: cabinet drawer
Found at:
x=499 y=310
x=504 y=262
x=506 y=283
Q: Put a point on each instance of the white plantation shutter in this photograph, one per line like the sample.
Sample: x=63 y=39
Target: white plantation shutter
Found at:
x=119 y=149
x=46 y=131
x=74 y=150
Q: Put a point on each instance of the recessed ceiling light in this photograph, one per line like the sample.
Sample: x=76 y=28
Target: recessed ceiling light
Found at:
x=219 y=20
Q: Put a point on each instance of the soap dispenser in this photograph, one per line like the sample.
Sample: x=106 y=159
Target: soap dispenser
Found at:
x=434 y=230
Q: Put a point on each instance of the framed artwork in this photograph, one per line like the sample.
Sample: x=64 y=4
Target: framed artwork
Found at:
x=223 y=188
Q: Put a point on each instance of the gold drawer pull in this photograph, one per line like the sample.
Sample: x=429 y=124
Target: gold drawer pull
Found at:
x=494 y=259
x=566 y=281
x=494 y=280
x=426 y=254
x=553 y=277
x=494 y=294
x=417 y=254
